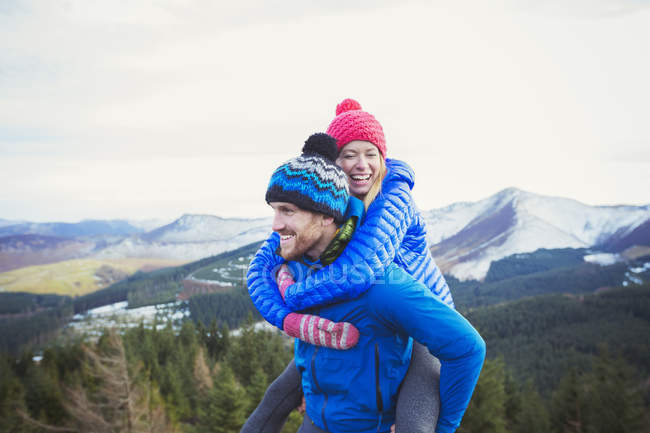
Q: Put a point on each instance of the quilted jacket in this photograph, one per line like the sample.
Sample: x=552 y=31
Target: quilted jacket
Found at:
x=356 y=390
x=392 y=231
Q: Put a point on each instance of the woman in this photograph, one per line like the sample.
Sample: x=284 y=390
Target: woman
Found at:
x=392 y=230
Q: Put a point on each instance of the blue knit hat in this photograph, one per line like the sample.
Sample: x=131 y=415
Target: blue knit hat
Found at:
x=312 y=181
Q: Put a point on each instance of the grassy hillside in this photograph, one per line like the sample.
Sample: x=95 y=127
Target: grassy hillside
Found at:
x=75 y=277
x=146 y=288
x=27 y=318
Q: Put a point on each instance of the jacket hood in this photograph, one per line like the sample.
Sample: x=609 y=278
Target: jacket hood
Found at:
x=399 y=171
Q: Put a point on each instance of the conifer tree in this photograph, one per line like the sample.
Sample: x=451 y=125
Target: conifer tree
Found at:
x=12 y=401
x=513 y=400
x=533 y=416
x=255 y=391
x=244 y=354
x=202 y=333
x=486 y=411
x=615 y=403
x=185 y=367
x=224 y=408
x=43 y=394
x=171 y=387
x=212 y=340
x=116 y=400
x=569 y=404
x=202 y=375
x=224 y=344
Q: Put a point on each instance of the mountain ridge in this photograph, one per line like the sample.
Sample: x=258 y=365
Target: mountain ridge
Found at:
x=465 y=237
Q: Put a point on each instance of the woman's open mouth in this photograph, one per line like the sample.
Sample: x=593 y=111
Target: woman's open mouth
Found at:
x=360 y=179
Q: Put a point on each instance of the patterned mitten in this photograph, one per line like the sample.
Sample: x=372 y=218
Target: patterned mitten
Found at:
x=313 y=329
x=320 y=331
x=284 y=279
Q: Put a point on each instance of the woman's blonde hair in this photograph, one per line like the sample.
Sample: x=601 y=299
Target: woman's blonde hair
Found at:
x=375 y=188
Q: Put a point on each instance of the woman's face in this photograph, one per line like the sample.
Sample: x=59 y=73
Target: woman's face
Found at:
x=360 y=160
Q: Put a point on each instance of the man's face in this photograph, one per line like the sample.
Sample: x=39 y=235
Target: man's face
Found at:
x=299 y=229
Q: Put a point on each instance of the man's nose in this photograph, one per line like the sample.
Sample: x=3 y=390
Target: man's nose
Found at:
x=278 y=223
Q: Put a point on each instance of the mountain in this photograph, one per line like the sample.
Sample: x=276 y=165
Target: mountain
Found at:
x=467 y=237
x=18 y=251
x=4 y=222
x=192 y=237
x=28 y=243
x=86 y=228
x=147 y=225
x=626 y=239
x=204 y=228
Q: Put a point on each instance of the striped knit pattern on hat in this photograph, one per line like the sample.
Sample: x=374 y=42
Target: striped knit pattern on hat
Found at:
x=352 y=123
x=312 y=181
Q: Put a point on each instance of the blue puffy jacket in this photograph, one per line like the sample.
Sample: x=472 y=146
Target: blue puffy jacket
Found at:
x=355 y=390
x=392 y=231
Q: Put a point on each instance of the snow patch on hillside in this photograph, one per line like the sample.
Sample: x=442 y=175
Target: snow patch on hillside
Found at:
x=603 y=259
x=118 y=315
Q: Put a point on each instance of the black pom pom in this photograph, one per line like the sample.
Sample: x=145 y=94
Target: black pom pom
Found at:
x=321 y=144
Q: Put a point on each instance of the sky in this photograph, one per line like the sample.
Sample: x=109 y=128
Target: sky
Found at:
x=154 y=109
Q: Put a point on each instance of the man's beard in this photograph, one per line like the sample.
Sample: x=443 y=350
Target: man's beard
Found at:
x=302 y=242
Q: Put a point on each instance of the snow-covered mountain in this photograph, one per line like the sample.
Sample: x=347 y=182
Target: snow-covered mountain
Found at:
x=4 y=222
x=86 y=228
x=204 y=228
x=148 y=224
x=192 y=237
x=467 y=237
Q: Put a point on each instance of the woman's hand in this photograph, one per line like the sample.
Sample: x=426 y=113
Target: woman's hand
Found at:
x=314 y=329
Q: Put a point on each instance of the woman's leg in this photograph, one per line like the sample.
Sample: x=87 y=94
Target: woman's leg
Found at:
x=308 y=426
x=282 y=396
x=418 y=402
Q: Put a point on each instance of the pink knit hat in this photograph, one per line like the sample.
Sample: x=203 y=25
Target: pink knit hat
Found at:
x=351 y=123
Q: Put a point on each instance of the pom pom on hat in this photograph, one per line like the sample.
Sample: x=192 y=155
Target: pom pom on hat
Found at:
x=312 y=181
x=322 y=145
x=347 y=105
x=352 y=123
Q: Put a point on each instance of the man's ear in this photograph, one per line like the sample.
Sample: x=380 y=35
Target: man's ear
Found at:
x=327 y=221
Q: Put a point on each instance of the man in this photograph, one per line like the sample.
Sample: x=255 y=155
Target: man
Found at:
x=355 y=390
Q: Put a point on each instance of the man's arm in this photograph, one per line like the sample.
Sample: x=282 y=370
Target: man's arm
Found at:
x=412 y=309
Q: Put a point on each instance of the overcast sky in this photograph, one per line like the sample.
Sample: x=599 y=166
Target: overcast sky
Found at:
x=151 y=109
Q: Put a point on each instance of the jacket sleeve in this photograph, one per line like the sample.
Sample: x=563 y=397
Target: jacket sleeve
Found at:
x=262 y=286
x=371 y=249
x=414 y=310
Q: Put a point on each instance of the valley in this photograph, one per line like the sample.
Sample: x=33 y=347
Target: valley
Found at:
x=76 y=277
